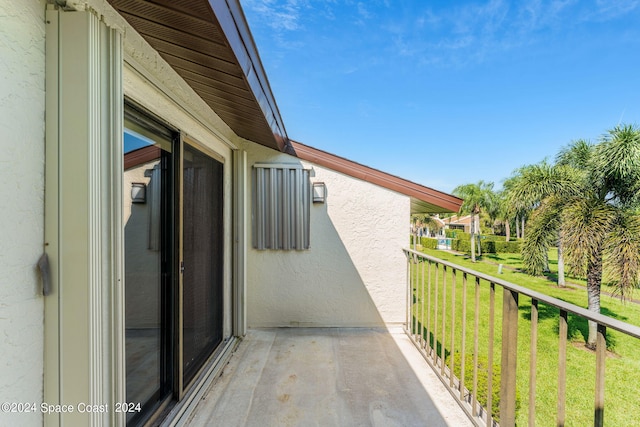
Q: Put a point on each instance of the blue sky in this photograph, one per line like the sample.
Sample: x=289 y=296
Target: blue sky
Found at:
x=449 y=92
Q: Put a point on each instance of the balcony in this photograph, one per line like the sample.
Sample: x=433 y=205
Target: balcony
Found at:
x=328 y=377
x=417 y=375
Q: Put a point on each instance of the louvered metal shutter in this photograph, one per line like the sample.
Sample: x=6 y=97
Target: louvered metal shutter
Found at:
x=281 y=207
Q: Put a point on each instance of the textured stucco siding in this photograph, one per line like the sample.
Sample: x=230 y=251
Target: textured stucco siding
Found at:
x=22 y=98
x=354 y=274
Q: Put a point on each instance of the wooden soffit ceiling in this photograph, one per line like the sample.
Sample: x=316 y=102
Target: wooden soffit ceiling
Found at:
x=208 y=43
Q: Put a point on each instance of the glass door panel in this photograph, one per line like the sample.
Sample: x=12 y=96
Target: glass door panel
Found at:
x=174 y=243
x=202 y=251
x=148 y=244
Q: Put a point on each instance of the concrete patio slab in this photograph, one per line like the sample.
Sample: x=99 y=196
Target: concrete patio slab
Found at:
x=327 y=377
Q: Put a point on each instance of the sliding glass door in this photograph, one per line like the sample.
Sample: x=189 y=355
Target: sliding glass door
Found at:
x=174 y=255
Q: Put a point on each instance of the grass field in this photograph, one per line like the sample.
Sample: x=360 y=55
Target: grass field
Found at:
x=622 y=389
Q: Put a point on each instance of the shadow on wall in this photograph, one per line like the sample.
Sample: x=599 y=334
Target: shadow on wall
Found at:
x=324 y=286
x=318 y=287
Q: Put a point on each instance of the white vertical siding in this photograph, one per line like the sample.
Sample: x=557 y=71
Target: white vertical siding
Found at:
x=22 y=99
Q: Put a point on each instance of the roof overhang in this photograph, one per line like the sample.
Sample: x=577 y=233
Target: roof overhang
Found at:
x=423 y=199
x=209 y=44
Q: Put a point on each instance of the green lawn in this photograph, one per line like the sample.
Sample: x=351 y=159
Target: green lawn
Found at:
x=622 y=366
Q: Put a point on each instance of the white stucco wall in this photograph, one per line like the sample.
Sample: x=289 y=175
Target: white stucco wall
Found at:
x=22 y=98
x=354 y=273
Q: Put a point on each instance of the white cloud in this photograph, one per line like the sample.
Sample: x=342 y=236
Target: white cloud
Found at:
x=471 y=32
x=279 y=15
x=611 y=9
x=363 y=11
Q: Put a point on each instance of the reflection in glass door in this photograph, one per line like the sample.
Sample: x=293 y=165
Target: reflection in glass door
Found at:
x=202 y=254
x=149 y=254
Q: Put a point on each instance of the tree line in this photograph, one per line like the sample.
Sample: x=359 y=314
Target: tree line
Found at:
x=585 y=203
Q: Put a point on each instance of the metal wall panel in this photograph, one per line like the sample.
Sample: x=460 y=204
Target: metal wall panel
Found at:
x=281 y=207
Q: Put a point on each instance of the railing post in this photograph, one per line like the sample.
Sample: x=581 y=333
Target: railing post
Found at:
x=601 y=356
x=509 y=358
x=562 y=367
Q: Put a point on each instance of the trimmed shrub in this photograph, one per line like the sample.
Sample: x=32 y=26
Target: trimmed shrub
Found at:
x=429 y=243
x=461 y=235
x=460 y=245
x=507 y=247
x=488 y=246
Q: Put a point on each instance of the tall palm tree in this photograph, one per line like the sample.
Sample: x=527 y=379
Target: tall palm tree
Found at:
x=542 y=189
x=503 y=212
x=476 y=197
x=590 y=202
x=518 y=208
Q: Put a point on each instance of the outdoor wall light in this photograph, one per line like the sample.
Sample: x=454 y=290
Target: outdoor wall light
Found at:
x=138 y=192
x=319 y=192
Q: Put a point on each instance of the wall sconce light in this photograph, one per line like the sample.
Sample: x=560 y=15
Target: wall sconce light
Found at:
x=319 y=192
x=138 y=192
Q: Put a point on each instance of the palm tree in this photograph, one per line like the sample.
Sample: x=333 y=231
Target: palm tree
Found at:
x=494 y=207
x=589 y=202
x=542 y=189
x=503 y=212
x=518 y=208
x=423 y=220
x=476 y=197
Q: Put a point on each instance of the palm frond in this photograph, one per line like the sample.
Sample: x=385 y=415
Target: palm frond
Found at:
x=577 y=154
x=542 y=234
x=533 y=183
x=585 y=225
x=617 y=162
x=623 y=249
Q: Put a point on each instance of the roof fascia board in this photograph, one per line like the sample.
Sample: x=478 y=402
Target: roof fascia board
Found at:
x=443 y=200
x=236 y=30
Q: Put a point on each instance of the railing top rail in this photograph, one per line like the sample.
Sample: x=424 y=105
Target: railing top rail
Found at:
x=607 y=321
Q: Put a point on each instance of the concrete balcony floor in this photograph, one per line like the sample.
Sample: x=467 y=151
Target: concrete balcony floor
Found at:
x=327 y=377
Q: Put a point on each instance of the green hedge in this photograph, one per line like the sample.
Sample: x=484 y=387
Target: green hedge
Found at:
x=500 y=246
x=456 y=234
x=462 y=243
x=429 y=243
x=487 y=246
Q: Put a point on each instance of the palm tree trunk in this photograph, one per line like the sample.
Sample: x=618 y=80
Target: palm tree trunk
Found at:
x=507 y=230
x=522 y=228
x=561 y=281
x=594 y=280
x=477 y=229
x=546 y=262
x=473 y=239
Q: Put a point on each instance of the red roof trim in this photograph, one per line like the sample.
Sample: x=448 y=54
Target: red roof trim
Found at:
x=141 y=156
x=375 y=176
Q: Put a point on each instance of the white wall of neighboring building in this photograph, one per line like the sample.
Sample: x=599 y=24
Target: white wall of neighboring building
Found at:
x=22 y=103
x=354 y=274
